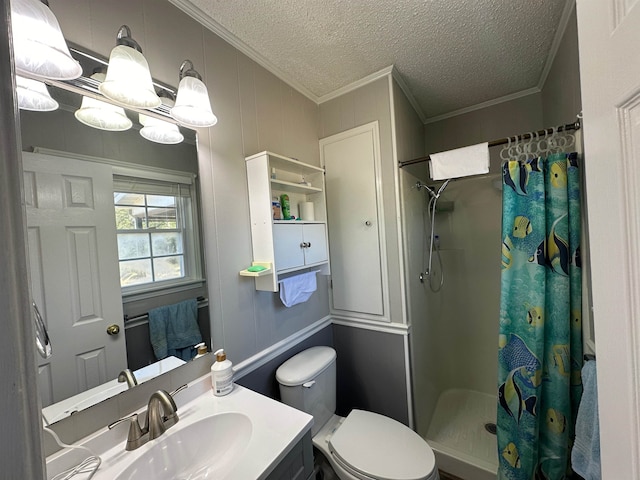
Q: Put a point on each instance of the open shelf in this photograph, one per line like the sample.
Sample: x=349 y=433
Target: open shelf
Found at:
x=277 y=184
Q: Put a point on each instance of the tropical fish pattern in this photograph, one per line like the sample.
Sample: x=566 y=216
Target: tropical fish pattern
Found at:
x=507 y=245
x=521 y=226
x=540 y=338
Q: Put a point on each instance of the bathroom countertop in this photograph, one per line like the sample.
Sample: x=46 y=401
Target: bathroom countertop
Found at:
x=275 y=429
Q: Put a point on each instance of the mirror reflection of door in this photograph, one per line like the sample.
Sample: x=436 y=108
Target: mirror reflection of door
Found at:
x=72 y=244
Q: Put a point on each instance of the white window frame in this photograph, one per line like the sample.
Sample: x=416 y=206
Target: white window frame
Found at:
x=191 y=242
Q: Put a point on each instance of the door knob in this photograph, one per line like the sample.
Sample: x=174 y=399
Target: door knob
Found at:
x=113 y=329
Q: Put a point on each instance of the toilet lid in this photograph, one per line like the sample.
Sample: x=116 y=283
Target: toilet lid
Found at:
x=382 y=448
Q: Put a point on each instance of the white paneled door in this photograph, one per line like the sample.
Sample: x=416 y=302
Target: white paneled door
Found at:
x=74 y=274
x=609 y=42
x=350 y=160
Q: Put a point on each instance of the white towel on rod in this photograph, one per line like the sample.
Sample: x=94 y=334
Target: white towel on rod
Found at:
x=297 y=289
x=461 y=162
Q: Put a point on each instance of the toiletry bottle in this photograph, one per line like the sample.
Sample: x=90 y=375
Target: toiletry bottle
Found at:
x=221 y=374
x=286 y=207
x=275 y=207
x=201 y=350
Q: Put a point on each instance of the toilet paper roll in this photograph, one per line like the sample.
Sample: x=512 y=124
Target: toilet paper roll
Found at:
x=306 y=211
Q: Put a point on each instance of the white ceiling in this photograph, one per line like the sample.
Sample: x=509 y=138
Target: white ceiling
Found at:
x=453 y=55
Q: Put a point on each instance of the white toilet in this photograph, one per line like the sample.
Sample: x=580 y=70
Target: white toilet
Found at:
x=362 y=446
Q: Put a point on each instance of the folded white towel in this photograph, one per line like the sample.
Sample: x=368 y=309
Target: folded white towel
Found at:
x=297 y=289
x=461 y=162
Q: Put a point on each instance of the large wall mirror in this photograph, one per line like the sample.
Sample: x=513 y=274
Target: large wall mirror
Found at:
x=105 y=211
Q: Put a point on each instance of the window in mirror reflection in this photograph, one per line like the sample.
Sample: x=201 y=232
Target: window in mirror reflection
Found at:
x=154 y=222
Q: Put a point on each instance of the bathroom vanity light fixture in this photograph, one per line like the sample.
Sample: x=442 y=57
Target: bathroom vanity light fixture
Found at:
x=39 y=47
x=193 y=107
x=33 y=95
x=128 y=80
x=102 y=115
x=161 y=131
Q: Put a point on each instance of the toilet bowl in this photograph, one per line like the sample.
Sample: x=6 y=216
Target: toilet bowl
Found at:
x=361 y=446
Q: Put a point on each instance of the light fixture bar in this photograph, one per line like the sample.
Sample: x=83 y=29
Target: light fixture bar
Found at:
x=88 y=87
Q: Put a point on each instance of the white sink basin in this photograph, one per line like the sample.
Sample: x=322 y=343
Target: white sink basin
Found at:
x=209 y=448
x=240 y=436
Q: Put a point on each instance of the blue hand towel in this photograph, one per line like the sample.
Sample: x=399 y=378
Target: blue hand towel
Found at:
x=585 y=456
x=173 y=330
x=297 y=289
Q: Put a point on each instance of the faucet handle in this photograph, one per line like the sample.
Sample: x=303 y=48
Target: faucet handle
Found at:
x=136 y=436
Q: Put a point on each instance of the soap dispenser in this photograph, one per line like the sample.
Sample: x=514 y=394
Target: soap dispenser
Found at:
x=221 y=374
x=201 y=350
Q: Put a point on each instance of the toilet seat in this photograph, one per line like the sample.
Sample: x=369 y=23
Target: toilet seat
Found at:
x=372 y=446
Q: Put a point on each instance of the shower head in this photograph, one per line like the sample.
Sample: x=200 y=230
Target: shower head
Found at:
x=432 y=192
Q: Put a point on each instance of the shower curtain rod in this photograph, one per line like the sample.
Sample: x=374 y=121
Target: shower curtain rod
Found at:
x=504 y=141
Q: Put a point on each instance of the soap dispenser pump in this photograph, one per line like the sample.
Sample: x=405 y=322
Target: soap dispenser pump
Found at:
x=221 y=374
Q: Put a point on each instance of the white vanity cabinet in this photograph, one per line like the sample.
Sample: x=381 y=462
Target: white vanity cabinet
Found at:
x=285 y=246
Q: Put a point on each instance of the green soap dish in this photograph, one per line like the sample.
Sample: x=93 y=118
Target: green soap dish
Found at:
x=256 y=268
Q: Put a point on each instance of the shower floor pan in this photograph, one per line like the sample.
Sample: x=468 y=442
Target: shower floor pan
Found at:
x=460 y=437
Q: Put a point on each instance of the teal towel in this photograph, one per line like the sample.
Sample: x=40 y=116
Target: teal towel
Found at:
x=585 y=456
x=173 y=330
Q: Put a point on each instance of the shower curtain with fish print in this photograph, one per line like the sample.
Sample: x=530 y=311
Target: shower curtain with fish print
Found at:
x=540 y=341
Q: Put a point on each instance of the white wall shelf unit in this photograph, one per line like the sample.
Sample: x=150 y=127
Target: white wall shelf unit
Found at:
x=287 y=245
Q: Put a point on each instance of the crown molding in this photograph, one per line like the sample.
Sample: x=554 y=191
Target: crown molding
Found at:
x=386 y=71
x=397 y=76
x=557 y=40
x=488 y=103
x=205 y=20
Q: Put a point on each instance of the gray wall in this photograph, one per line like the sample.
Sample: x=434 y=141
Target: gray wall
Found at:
x=370 y=372
x=497 y=121
x=561 y=100
x=59 y=130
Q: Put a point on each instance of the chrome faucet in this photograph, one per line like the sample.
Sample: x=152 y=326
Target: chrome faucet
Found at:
x=161 y=415
x=127 y=375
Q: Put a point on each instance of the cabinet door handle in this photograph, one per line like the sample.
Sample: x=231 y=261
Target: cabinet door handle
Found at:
x=308 y=244
x=303 y=245
x=368 y=223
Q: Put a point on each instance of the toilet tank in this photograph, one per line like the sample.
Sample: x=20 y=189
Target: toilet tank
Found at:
x=308 y=382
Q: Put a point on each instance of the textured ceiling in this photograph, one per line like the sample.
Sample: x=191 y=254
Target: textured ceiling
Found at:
x=452 y=54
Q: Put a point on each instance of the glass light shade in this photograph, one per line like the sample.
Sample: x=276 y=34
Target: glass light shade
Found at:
x=193 y=107
x=102 y=115
x=38 y=44
x=159 y=131
x=128 y=79
x=34 y=95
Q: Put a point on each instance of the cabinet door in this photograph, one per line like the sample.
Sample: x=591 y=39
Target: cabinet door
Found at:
x=354 y=236
x=287 y=245
x=315 y=238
